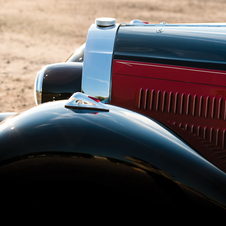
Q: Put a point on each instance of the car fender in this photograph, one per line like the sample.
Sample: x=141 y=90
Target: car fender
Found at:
x=105 y=150
x=5 y=115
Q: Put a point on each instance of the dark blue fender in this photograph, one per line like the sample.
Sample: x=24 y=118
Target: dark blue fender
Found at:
x=51 y=152
x=5 y=115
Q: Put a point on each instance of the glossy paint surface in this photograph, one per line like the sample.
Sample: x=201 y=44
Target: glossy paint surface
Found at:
x=5 y=115
x=181 y=46
x=78 y=55
x=118 y=152
x=61 y=80
x=178 y=78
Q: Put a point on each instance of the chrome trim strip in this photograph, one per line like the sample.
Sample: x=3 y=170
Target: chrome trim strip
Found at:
x=193 y=25
x=38 y=86
x=96 y=78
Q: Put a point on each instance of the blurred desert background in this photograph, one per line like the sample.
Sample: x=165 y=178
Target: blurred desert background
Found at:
x=34 y=33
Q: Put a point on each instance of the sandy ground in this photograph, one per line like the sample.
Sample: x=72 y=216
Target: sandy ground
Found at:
x=34 y=33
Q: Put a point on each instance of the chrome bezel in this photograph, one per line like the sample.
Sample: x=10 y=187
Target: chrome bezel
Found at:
x=38 y=86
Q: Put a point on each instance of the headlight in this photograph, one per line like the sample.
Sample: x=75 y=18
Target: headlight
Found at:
x=58 y=82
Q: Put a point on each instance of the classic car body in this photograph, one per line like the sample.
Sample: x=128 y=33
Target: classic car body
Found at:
x=138 y=113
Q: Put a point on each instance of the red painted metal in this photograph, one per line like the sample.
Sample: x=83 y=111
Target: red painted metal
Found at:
x=193 y=99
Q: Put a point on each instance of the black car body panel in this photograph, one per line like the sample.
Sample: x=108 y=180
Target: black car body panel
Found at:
x=171 y=46
x=118 y=151
x=61 y=81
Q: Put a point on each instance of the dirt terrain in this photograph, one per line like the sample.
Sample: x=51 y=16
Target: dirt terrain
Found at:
x=39 y=32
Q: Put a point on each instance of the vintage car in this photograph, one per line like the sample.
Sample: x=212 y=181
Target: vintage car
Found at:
x=136 y=118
